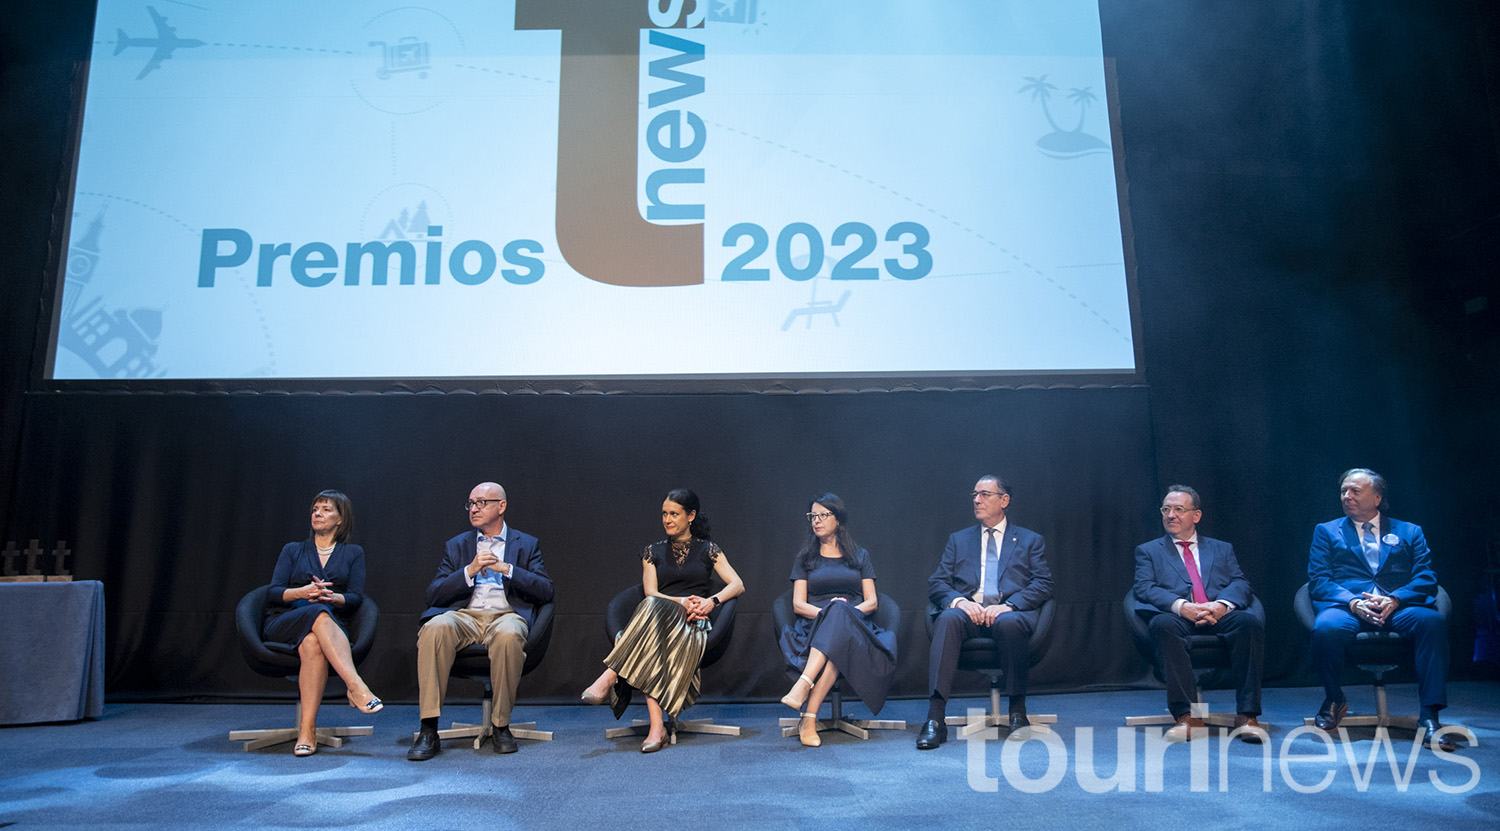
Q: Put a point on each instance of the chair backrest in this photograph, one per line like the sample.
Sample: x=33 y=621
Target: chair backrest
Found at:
x=1302 y=605
x=1040 y=636
x=250 y=612
x=538 y=636
x=887 y=612
x=1140 y=631
x=622 y=606
x=473 y=661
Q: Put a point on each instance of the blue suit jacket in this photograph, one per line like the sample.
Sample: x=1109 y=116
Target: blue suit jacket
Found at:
x=1337 y=571
x=526 y=587
x=1025 y=580
x=1161 y=578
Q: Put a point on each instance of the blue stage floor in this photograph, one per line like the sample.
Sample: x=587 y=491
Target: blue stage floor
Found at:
x=170 y=766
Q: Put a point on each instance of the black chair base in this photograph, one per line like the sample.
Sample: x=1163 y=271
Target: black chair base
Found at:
x=267 y=737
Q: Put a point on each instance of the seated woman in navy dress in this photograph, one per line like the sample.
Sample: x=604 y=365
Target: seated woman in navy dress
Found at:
x=833 y=595
x=317 y=586
x=658 y=652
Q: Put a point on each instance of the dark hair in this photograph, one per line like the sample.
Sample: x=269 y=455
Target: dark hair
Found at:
x=345 y=509
x=1192 y=494
x=1376 y=481
x=809 y=554
x=689 y=502
x=1001 y=484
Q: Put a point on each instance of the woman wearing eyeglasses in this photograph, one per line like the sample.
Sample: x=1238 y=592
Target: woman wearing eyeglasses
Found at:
x=659 y=650
x=316 y=587
x=833 y=596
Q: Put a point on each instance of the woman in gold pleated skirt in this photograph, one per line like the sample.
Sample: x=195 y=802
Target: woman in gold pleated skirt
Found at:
x=658 y=652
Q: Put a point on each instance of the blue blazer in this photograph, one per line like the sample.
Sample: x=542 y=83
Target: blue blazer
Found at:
x=527 y=586
x=1161 y=578
x=1337 y=571
x=1025 y=580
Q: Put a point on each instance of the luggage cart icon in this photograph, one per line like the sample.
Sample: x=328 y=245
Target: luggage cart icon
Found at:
x=407 y=55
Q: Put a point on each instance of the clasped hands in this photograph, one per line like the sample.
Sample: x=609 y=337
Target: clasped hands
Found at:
x=318 y=591
x=983 y=615
x=1203 y=614
x=485 y=560
x=1374 y=609
x=697 y=608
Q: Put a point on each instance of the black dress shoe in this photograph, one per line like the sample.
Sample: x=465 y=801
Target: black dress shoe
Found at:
x=933 y=733
x=1329 y=715
x=1018 y=721
x=503 y=741
x=425 y=747
x=1445 y=743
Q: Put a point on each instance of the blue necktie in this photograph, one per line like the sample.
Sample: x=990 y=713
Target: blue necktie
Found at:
x=991 y=568
x=1371 y=546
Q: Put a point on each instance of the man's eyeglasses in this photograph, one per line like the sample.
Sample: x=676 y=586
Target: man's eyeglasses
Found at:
x=478 y=504
x=815 y=516
x=984 y=494
x=1168 y=510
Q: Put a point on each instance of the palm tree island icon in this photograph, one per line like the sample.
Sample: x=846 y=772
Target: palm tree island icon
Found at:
x=1061 y=143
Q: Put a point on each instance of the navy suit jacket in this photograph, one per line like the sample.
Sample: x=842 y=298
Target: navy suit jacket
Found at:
x=526 y=587
x=1025 y=580
x=1161 y=578
x=1337 y=571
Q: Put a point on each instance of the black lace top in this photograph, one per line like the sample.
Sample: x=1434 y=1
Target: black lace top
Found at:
x=683 y=569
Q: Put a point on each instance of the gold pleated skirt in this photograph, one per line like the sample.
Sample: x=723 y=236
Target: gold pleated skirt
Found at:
x=658 y=653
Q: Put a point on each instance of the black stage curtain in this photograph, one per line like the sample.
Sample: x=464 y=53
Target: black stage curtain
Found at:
x=1313 y=194
x=181 y=503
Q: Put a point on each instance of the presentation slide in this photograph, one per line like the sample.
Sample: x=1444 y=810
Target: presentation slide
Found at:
x=586 y=189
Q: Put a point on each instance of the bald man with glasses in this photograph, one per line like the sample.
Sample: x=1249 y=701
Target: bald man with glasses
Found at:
x=486 y=591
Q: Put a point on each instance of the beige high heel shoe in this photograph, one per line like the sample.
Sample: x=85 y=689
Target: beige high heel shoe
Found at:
x=798 y=693
x=807 y=730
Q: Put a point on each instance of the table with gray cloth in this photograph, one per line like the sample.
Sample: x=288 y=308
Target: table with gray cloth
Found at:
x=51 y=651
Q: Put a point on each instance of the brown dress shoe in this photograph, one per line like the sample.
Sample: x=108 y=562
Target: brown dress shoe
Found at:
x=1183 y=729
x=1247 y=729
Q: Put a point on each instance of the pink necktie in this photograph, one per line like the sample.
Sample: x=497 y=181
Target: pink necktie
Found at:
x=1199 y=596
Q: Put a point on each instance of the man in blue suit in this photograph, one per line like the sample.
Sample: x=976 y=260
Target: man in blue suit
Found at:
x=990 y=583
x=1189 y=585
x=486 y=591
x=1368 y=572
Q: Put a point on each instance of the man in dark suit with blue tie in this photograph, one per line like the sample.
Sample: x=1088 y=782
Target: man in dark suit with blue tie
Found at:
x=1368 y=572
x=1186 y=585
x=990 y=583
x=486 y=591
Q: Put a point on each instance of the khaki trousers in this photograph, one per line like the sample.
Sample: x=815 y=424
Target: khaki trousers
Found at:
x=440 y=639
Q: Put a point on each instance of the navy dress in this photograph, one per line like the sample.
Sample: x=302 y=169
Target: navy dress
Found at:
x=864 y=653
x=298 y=564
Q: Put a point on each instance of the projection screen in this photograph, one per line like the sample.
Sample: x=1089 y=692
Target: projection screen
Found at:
x=645 y=189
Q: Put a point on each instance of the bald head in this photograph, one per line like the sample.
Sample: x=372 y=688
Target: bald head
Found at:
x=487 y=508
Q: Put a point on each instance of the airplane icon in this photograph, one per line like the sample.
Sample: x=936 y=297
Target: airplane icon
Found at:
x=165 y=42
